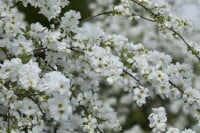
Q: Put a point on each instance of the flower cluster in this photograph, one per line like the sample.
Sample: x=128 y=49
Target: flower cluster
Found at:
x=158 y=120
x=78 y=76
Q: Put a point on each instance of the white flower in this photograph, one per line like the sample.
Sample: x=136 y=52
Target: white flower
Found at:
x=121 y=10
x=173 y=130
x=50 y=40
x=89 y=124
x=110 y=81
x=134 y=129
x=188 y=131
x=22 y=46
x=49 y=8
x=37 y=30
x=191 y=99
x=180 y=74
x=140 y=95
x=29 y=75
x=144 y=1
x=9 y=69
x=70 y=21
x=158 y=119
x=55 y=81
x=174 y=93
x=102 y=61
x=59 y=107
x=28 y=107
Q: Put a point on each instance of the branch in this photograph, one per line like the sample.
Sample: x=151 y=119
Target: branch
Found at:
x=100 y=14
x=76 y=50
x=169 y=28
x=148 y=19
x=147 y=9
x=186 y=43
x=138 y=82
x=16 y=4
x=111 y=12
x=37 y=103
x=174 y=85
x=8 y=119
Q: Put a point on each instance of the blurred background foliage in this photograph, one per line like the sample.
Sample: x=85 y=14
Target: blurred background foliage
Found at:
x=32 y=15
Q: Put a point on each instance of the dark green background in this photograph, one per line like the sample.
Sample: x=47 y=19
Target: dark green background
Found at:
x=32 y=15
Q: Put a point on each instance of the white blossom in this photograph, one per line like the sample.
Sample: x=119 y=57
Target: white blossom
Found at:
x=158 y=119
x=140 y=95
x=173 y=130
x=69 y=73
x=28 y=107
x=29 y=75
x=55 y=81
x=59 y=108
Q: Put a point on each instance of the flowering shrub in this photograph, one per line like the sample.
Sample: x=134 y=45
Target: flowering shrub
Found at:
x=130 y=68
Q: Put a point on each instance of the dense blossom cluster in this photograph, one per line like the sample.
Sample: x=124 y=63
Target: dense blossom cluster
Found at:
x=90 y=77
x=158 y=120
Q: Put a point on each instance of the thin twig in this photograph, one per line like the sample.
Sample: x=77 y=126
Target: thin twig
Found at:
x=37 y=103
x=76 y=50
x=169 y=28
x=39 y=49
x=100 y=14
x=147 y=9
x=16 y=4
x=138 y=82
x=186 y=43
x=145 y=18
x=110 y=12
x=8 y=119
x=174 y=85
x=1 y=17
